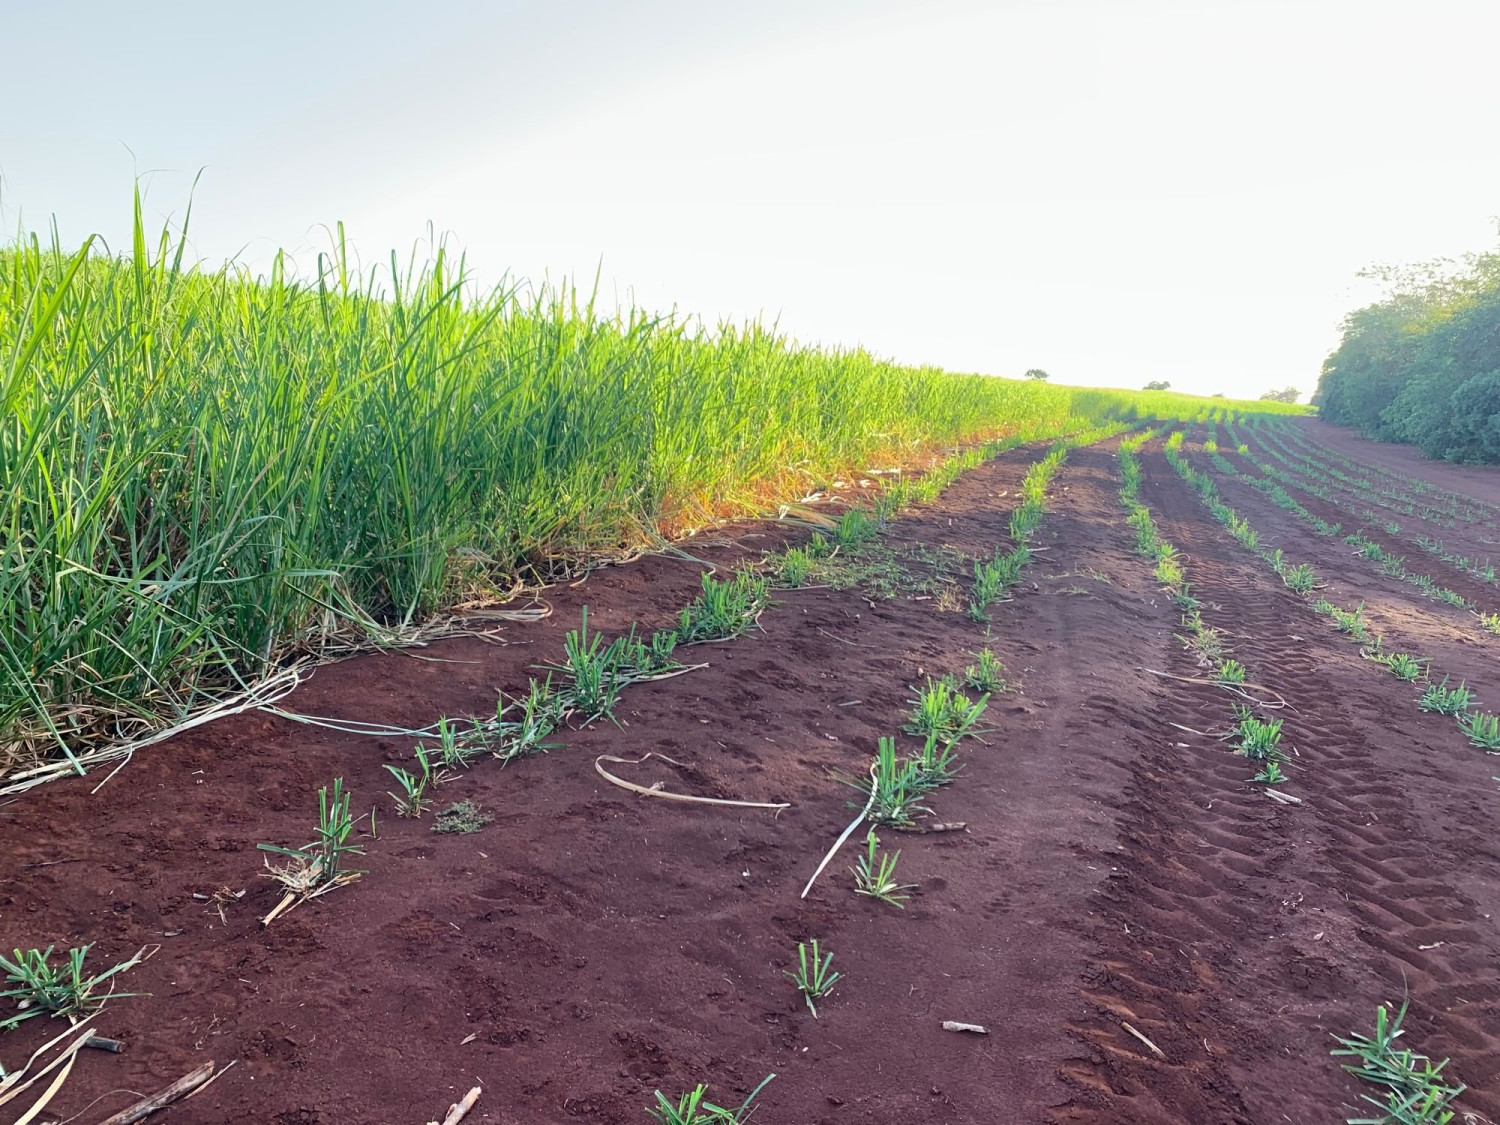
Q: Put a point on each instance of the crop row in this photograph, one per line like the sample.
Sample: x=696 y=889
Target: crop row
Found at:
x=1405 y=492
x=1327 y=476
x=1482 y=729
x=585 y=686
x=1259 y=740
x=1387 y=564
x=1482 y=569
x=1411 y=1086
x=1318 y=481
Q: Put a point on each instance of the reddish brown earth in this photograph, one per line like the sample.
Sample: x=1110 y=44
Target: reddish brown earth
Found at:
x=1347 y=512
x=1478 y=481
x=1242 y=934
x=1477 y=537
x=1409 y=622
x=597 y=945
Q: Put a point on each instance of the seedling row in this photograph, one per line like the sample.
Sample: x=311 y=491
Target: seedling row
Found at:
x=1410 y=1087
x=1388 y=564
x=1437 y=696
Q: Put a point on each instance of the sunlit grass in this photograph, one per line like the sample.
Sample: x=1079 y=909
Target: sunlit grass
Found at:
x=205 y=472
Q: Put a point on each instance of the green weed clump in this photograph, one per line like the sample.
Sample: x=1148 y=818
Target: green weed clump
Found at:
x=1351 y=622
x=1483 y=730
x=1229 y=671
x=793 y=567
x=942 y=711
x=639 y=658
x=537 y=715
x=987 y=674
x=814 y=975
x=875 y=874
x=1403 y=665
x=1270 y=773
x=897 y=787
x=318 y=867
x=461 y=817
x=412 y=800
x=723 y=609
x=1443 y=700
x=1169 y=572
x=694 y=1108
x=592 y=669
x=937 y=764
x=1259 y=739
x=994 y=578
x=1300 y=578
x=1204 y=639
x=853 y=528
x=41 y=988
x=1414 y=1088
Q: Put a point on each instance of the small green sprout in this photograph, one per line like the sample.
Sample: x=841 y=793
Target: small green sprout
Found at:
x=1229 y=672
x=1416 y=1090
x=875 y=874
x=412 y=801
x=41 y=988
x=692 y=1108
x=1443 y=700
x=814 y=975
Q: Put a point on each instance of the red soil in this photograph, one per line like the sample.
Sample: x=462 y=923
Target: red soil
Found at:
x=1480 y=481
x=598 y=946
x=1244 y=933
x=1479 y=539
x=1409 y=622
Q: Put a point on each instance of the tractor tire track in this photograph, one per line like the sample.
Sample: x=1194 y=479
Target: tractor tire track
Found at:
x=1229 y=905
x=1408 y=621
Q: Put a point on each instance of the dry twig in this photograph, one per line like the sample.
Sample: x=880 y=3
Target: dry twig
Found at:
x=458 y=1110
x=656 y=790
x=175 y=1092
x=1155 y=1050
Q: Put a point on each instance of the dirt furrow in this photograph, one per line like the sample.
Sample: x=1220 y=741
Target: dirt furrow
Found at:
x=1481 y=482
x=1198 y=921
x=1409 y=622
x=589 y=946
x=1385 y=897
x=1470 y=540
x=1346 y=512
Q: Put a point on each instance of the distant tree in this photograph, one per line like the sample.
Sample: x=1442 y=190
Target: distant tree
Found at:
x=1290 y=394
x=1423 y=364
x=1038 y=374
x=1217 y=394
x=1158 y=385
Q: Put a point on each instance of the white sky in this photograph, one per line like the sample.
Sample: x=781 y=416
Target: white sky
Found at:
x=1114 y=191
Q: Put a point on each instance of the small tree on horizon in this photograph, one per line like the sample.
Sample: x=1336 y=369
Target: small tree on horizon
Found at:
x=1158 y=385
x=1038 y=374
x=1290 y=394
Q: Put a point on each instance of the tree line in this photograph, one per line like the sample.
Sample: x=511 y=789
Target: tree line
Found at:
x=1422 y=366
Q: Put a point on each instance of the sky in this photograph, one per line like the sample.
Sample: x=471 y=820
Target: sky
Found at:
x=1115 y=191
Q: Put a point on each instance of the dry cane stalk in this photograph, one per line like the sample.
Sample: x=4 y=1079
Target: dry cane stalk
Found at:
x=177 y=1090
